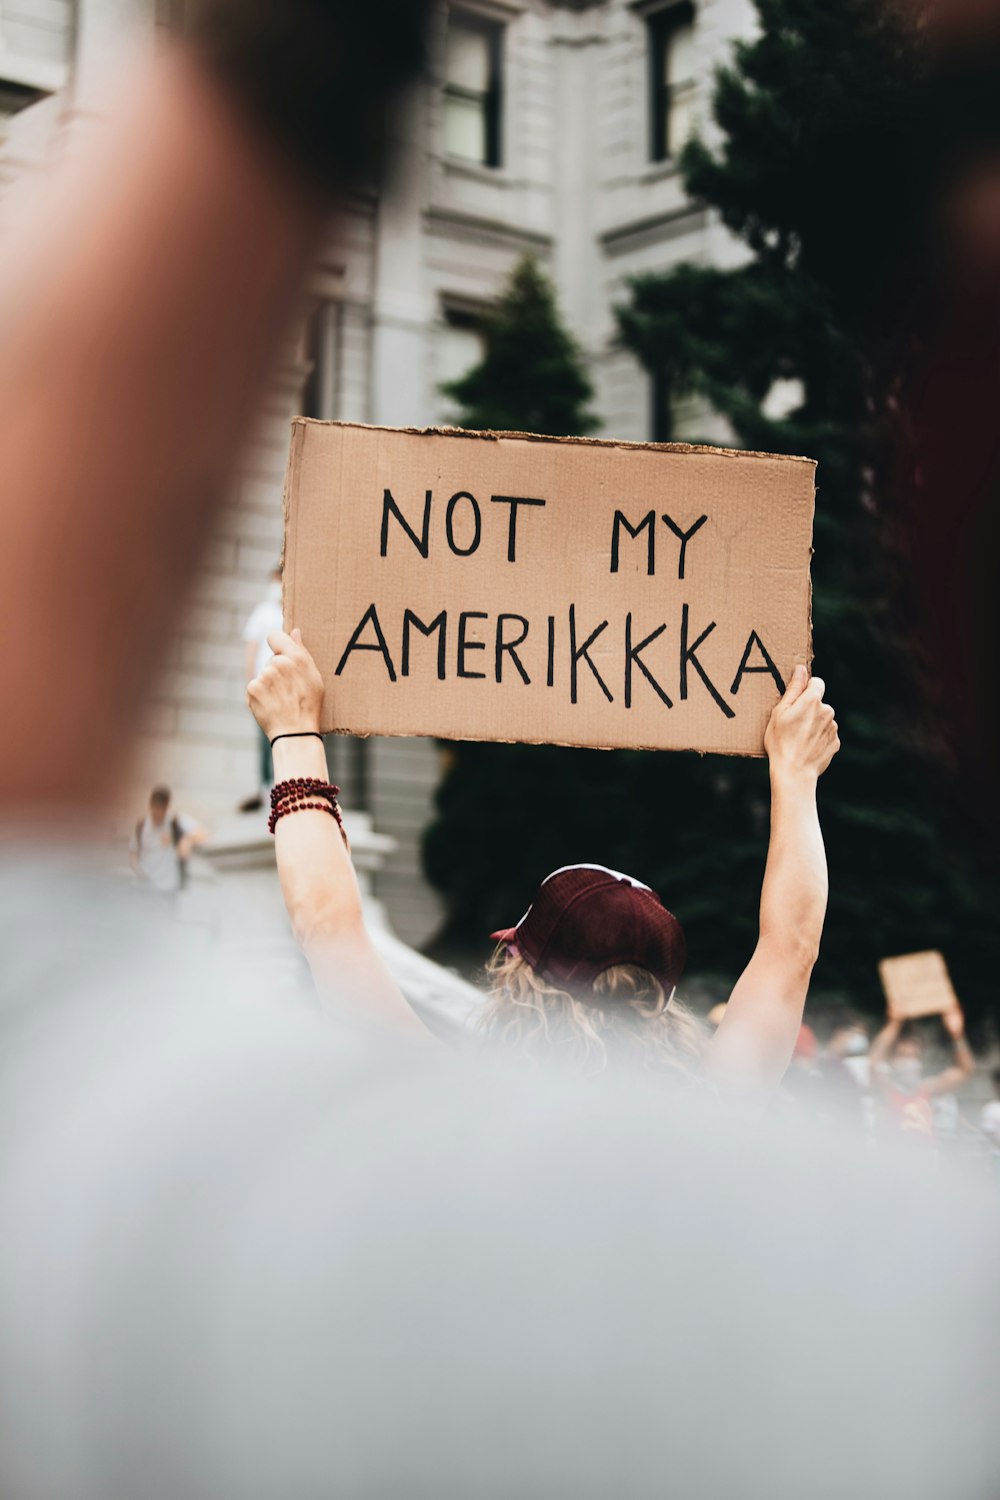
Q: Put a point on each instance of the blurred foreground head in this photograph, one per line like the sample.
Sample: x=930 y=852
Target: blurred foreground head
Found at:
x=948 y=390
x=952 y=22
x=154 y=344
x=316 y=75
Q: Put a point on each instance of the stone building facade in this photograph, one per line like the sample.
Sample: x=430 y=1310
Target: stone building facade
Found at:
x=546 y=127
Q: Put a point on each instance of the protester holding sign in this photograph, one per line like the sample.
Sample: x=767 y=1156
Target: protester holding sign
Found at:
x=590 y=970
x=897 y=1073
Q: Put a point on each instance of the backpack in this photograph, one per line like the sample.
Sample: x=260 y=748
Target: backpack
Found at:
x=176 y=834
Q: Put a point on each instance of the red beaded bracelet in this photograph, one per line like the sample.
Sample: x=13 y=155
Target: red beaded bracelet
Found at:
x=303 y=784
x=291 y=807
x=298 y=794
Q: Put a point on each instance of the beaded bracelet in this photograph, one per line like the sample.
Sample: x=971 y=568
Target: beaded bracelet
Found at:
x=291 y=807
x=296 y=786
x=299 y=794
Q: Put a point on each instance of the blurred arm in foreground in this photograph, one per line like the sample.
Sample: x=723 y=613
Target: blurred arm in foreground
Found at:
x=753 y=1045
x=314 y=865
x=130 y=372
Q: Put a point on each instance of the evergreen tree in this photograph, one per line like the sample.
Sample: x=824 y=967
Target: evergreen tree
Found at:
x=531 y=377
x=506 y=813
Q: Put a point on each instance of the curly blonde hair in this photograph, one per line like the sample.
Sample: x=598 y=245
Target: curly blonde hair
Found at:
x=624 y=1013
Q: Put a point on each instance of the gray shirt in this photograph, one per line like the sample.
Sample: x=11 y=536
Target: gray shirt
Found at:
x=250 y=1252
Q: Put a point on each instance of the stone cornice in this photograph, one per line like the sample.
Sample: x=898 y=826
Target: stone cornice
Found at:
x=478 y=228
x=654 y=228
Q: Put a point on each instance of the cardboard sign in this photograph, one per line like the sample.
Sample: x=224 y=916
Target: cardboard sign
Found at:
x=494 y=586
x=917 y=984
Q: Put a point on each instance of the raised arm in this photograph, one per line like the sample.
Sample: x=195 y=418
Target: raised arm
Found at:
x=964 y=1065
x=191 y=840
x=884 y=1042
x=159 y=324
x=131 y=369
x=314 y=866
x=753 y=1045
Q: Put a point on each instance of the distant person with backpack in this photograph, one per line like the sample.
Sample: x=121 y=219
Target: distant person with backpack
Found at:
x=162 y=844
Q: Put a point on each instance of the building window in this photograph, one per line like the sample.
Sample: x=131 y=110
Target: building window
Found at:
x=460 y=341
x=472 y=90
x=458 y=346
x=17 y=96
x=318 y=355
x=672 y=78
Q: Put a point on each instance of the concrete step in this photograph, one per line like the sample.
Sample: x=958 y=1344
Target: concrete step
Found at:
x=241 y=841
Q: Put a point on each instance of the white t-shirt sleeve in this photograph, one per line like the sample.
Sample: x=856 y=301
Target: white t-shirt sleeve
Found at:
x=133 y=843
x=187 y=825
x=256 y=627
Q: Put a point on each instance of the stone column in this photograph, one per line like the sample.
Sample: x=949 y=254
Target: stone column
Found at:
x=401 y=313
x=578 y=46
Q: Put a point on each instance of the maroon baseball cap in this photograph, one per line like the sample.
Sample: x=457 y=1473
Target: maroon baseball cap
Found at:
x=586 y=919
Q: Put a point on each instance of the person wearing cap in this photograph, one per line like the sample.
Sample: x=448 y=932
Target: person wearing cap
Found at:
x=590 y=971
x=593 y=964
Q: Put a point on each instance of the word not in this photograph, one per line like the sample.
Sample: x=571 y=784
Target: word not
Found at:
x=463 y=522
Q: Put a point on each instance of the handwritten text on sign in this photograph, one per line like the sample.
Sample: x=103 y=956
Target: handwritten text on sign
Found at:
x=484 y=588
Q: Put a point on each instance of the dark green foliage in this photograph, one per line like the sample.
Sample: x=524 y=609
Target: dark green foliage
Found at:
x=531 y=378
x=507 y=813
x=828 y=169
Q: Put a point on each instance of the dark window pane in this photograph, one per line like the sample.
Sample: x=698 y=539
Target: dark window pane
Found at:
x=670 y=36
x=472 y=91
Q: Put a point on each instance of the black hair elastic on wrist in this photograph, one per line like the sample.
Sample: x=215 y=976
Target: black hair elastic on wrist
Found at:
x=316 y=75
x=297 y=734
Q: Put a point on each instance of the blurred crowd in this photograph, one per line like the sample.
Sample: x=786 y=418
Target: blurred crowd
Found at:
x=898 y=1084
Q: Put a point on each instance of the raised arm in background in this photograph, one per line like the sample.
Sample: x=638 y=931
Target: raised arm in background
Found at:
x=964 y=1066
x=945 y=1082
x=314 y=866
x=882 y=1045
x=753 y=1045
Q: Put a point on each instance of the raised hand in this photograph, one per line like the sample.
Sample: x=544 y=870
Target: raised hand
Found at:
x=954 y=1023
x=801 y=737
x=287 y=696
